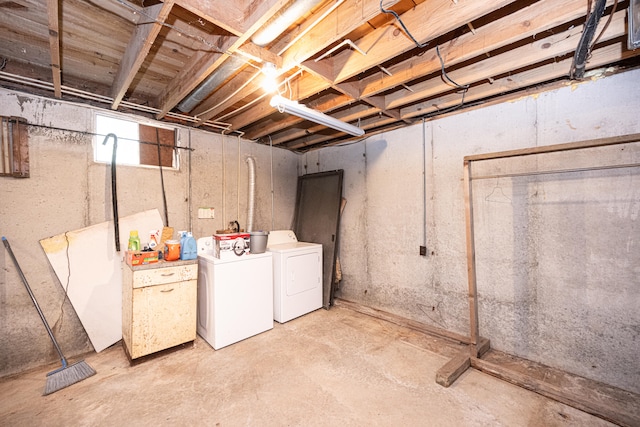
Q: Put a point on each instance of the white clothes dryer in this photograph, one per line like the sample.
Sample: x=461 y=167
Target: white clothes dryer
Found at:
x=297 y=275
x=235 y=295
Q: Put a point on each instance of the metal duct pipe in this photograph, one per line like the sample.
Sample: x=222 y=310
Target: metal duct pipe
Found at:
x=290 y=15
x=215 y=79
x=251 y=163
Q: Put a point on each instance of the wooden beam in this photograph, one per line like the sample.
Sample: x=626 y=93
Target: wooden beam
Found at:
x=458 y=364
x=534 y=19
x=404 y=322
x=614 y=405
x=387 y=42
x=139 y=46
x=346 y=18
x=373 y=126
x=120 y=9
x=550 y=47
x=338 y=23
x=580 y=145
x=600 y=57
x=260 y=55
x=201 y=67
x=452 y=370
x=228 y=15
x=249 y=79
x=54 y=46
x=322 y=69
x=474 y=331
x=238 y=87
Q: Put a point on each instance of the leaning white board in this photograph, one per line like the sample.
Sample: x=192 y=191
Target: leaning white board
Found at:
x=95 y=284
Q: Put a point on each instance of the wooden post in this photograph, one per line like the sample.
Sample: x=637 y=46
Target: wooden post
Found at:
x=471 y=261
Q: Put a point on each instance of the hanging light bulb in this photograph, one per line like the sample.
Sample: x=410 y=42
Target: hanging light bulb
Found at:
x=269 y=82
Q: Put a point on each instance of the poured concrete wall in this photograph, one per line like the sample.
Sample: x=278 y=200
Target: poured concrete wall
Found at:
x=558 y=255
x=68 y=191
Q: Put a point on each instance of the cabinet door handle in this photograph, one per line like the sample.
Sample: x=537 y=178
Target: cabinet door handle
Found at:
x=167 y=274
x=167 y=290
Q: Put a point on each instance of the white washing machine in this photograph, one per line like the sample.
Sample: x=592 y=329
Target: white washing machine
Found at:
x=297 y=275
x=235 y=296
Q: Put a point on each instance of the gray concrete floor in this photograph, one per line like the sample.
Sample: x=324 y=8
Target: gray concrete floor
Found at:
x=330 y=367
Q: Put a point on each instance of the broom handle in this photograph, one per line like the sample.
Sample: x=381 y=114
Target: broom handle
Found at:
x=33 y=298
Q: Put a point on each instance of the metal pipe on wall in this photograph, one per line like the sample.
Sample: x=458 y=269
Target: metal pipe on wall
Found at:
x=251 y=163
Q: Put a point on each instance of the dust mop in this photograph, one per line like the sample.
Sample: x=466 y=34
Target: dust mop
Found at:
x=67 y=374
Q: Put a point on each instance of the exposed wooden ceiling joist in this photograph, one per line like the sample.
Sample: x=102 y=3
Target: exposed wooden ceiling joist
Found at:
x=139 y=46
x=54 y=46
x=346 y=58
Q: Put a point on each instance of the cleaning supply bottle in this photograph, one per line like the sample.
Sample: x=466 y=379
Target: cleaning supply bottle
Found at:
x=134 y=241
x=182 y=235
x=189 y=247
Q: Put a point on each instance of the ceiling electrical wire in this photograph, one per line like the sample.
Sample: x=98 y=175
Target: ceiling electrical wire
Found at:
x=445 y=76
x=606 y=25
x=406 y=30
x=449 y=80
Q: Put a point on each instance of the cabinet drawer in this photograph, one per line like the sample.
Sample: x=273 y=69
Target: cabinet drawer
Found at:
x=161 y=276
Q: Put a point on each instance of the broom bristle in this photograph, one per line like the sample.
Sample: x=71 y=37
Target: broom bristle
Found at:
x=68 y=376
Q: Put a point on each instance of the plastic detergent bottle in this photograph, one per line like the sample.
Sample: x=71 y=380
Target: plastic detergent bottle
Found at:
x=188 y=247
x=134 y=241
x=182 y=235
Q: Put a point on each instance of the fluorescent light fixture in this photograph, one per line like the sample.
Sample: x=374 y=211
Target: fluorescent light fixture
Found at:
x=285 y=105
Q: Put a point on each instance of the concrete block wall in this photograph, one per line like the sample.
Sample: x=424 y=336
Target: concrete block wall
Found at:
x=557 y=255
x=68 y=191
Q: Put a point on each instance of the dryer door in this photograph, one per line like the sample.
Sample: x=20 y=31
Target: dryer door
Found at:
x=303 y=273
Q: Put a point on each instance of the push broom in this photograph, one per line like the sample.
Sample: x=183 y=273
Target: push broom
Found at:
x=67 y=374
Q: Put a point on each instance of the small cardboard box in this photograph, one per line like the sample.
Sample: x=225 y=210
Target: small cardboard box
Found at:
x=230 y=246
x=140 y=257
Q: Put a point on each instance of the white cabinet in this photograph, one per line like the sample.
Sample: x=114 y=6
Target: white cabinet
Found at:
x=159 y=306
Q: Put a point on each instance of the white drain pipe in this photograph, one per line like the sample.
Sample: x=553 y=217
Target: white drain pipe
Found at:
x=251 y=163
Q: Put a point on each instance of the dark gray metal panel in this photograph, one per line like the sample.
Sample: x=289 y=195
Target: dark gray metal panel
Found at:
x=317 y=219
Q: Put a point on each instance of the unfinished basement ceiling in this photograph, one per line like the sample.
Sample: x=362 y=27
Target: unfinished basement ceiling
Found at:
x=198 y=62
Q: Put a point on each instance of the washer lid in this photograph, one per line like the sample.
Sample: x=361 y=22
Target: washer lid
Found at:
x=279 y=237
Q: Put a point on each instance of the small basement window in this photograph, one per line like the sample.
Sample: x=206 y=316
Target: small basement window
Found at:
x=137 y=143
x=14 y=147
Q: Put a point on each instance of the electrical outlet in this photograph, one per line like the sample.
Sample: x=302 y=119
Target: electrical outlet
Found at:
x=423 y=251
x=206 y=213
